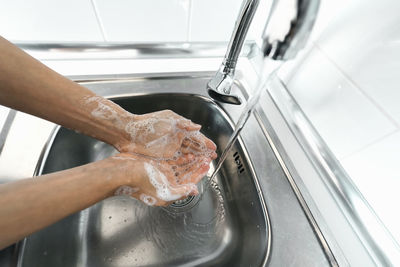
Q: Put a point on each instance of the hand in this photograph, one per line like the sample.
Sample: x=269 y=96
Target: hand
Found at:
x=160 y=182
x=165 y=134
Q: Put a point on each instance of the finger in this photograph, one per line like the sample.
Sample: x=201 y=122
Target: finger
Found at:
x=188 y=146
x=200 y=173
x=202 y=139
x=188 y=125
x=210 y=144
x=186 y=150
x=169 y=150
x=182 y=160
x=196 y=146
x=185 y=142
x=194 y=173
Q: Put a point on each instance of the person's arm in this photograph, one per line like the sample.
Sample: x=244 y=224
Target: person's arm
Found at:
x=31 y=204
x=29 y=86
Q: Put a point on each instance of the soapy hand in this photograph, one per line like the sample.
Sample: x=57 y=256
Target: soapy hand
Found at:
x=158 y=134
x=160 y=182
x=162 y=134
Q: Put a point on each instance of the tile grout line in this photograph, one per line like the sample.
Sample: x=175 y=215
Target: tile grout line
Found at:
x=350 y=80
x=374 y=142
x=189 y=22
x=99 y=22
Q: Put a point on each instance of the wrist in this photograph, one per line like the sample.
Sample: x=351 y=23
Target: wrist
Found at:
x=122 y=170
x=124 y=141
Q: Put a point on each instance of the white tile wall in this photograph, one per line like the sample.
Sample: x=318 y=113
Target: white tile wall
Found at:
x=348 y=86
x=328 y=10
x=376 y=172
x=345 y=118
x=48 y=20
x=368 y=50
x=144 y=21
x=138 y=21
x=213 y=20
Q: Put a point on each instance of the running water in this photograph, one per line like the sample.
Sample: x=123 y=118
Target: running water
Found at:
x=261 y=84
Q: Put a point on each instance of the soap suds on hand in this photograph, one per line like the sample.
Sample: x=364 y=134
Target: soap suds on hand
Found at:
x=148 y=200
x=104 y=110
x=125 y=190
x=161 y=184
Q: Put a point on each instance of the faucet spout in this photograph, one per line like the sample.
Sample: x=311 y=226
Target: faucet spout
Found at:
x=219 y=87
x=286 y=32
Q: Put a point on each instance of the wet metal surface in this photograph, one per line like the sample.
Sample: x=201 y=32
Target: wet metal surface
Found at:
x=227 y=227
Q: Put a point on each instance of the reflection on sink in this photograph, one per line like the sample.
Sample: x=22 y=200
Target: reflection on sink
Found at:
x=226 y=227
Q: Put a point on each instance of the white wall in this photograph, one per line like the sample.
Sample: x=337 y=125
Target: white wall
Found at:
x=134 y=21
x=139 y=21
x=348 y=84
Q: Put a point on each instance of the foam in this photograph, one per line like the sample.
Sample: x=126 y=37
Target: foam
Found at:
x=148 y=200
x=147 y=131
x=125 y=190
x=161 y=184
x=104 y=110
x=163 y=140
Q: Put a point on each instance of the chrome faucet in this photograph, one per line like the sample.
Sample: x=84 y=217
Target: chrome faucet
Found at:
x=288 y=27
x=219 y=87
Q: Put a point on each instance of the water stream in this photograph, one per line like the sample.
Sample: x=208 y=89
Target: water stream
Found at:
x=261 y=84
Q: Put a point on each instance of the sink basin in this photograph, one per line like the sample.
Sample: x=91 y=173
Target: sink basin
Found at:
x=226 y=226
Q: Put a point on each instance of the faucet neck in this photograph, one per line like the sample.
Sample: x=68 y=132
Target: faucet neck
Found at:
x=242 y=25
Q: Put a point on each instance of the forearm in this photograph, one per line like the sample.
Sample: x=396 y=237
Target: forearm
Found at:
x=32 y=204
x=29 y=86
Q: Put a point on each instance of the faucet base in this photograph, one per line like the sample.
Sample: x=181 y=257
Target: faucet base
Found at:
x=219 y=87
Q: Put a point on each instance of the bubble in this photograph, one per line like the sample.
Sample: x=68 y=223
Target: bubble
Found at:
x=161 y=184
x=148 y=200
x=105 y=110
x=125 y=190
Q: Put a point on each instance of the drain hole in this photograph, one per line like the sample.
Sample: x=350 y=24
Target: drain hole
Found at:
x=186 y=204
x=182 y=202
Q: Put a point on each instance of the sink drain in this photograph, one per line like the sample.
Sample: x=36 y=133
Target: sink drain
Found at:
x=186 y=204
x=182 y=202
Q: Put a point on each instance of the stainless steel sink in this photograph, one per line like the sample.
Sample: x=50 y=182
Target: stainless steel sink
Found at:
x=227 y=226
